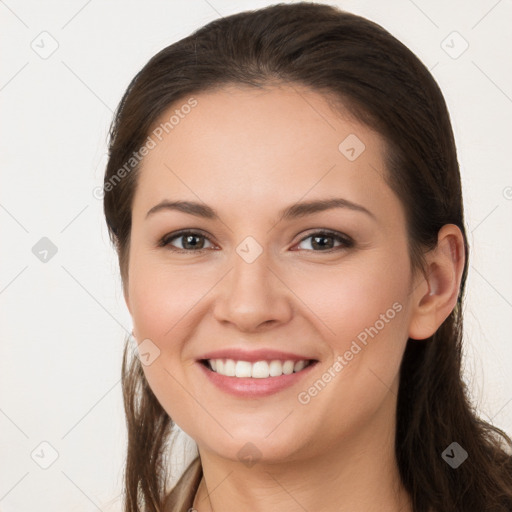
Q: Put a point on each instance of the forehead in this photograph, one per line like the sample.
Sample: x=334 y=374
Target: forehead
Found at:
x=262 y=146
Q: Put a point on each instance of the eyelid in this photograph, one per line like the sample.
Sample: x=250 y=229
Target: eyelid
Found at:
x=166 y=239
x=346 y=240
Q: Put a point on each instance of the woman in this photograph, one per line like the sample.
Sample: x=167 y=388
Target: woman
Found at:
x=284 y=195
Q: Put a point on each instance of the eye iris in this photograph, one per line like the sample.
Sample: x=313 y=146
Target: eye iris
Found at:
x=321 y=245
x=187 y=239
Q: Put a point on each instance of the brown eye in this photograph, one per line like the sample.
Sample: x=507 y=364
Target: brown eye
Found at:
x=191 y=241
x=324 y=241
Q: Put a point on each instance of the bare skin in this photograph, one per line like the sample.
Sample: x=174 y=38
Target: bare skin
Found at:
x=248 y=154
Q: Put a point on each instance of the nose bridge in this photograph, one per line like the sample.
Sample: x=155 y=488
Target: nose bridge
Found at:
x=251 y=274
x=251 y=266
x=252 y=294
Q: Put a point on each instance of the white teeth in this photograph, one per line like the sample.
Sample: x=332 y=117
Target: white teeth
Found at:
x=243 y=368
x=229 y=368
x=299 y=365
x=276 y=368
x=288 y=367
x=256 y=370
x=260 y=370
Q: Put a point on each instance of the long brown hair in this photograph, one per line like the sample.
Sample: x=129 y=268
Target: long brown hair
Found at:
x=385 y=86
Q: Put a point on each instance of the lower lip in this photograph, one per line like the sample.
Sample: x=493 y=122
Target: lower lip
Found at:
x=249 y=387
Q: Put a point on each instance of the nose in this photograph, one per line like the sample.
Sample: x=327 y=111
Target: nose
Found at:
x=253 y=296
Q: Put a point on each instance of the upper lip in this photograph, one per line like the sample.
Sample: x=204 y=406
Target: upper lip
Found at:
x=261 y=354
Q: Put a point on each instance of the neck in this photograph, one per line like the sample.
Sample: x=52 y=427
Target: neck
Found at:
x=359 y=474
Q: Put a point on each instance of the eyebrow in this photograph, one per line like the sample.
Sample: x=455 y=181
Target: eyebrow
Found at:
x=291 y=212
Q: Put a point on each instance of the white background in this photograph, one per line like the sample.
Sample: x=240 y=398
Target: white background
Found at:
x=63 y=322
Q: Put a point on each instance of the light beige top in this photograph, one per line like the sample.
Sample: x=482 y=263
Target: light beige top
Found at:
x=181 y=497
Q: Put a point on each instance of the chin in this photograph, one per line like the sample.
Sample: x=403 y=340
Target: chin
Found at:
x=250 y=444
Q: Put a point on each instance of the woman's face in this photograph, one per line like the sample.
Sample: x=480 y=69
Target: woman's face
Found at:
x=254 y=288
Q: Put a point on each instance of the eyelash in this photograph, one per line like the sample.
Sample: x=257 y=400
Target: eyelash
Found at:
x=344 y=239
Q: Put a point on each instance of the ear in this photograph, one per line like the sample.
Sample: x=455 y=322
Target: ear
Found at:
x=435 y=293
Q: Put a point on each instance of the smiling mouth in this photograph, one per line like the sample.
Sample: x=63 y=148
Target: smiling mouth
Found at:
x=257 y=369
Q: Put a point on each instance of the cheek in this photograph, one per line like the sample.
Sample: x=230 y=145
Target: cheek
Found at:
x=161 y=297
x=162 y=311
x=362 y=311
x=355 y=298
x=362 y=307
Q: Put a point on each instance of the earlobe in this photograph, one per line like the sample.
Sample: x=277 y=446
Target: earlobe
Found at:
x=435 y=297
